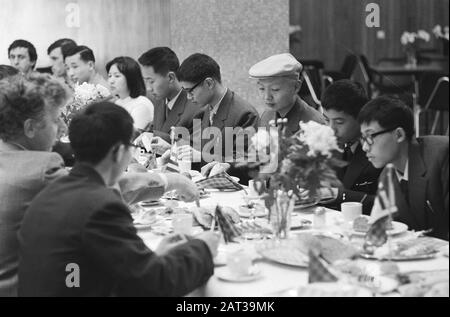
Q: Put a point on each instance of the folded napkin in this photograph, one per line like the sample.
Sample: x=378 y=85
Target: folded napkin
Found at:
x=221 y=181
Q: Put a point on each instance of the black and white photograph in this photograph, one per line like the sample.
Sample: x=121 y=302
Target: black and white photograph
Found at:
x=239 y=152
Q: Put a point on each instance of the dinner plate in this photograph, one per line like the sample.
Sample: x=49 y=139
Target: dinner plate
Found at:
x=397 y=228
x=226 y=275
x=423 y=256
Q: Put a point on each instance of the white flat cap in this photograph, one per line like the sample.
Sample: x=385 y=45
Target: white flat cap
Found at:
x=279 y=65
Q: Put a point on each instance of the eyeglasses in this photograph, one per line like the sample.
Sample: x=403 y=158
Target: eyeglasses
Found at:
x=191 y=90
x=369 y=137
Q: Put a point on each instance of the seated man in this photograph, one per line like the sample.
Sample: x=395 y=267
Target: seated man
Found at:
x=421 y=164
x=342 y=102
x=80 y=62
x=278 y=83
x=159 y=67
x=22 y=56
x=56 y=51
x=98 y=234
x=29 y=114
x=201 y=79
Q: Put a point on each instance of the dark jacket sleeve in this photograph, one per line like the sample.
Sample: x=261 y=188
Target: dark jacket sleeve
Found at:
x=112 y=242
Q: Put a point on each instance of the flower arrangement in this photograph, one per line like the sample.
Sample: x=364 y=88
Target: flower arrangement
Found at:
x=84 y=95
x=441 y=33
x=410 y=42
x=304 y=161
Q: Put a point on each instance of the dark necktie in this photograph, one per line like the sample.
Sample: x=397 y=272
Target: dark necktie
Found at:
x=404 y=189
x=167 y=110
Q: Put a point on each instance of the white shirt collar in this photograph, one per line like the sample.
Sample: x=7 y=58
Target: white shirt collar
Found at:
x=171 y=103
x=405 y=175
x=216 y=107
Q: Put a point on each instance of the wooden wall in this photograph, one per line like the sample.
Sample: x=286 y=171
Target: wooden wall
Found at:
x=110 y=27
x=332 y=28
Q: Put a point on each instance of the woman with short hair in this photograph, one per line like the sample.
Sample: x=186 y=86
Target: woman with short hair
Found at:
x=126 y=83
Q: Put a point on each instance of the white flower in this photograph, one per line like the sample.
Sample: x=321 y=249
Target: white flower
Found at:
x=405 y=38
x=446 y=33
x=424 y=35
x=103 y=91
x=437 y=31
x=261 y=140
x=319 y=138
x=88 y=93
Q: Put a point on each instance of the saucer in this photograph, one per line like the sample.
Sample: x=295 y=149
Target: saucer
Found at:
x=226 y=275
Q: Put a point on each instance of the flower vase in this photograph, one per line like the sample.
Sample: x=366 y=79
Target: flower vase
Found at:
x=411 y=58
x=280 y=215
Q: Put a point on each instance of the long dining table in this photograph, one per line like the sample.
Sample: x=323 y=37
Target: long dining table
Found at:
x=274 y=277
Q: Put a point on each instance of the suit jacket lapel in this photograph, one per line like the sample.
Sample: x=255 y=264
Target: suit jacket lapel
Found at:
x=176 y=112
x=355 y=167
x=222 y=113
x=160 y=116
x=417 y=184
x=404 y=213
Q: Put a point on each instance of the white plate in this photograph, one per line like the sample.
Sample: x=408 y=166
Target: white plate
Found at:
x=325 y=290
x=397 y=228
x=225 y=275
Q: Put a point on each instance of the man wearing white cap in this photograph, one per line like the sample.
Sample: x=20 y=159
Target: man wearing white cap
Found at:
x=278 y=80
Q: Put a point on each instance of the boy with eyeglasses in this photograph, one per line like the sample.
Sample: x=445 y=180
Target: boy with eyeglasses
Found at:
x=421 y=164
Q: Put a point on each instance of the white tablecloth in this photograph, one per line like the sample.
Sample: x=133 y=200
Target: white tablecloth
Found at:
x=275 y=277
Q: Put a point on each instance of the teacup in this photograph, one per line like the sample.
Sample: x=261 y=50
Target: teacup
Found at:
x=239 y=263
x=351 y=211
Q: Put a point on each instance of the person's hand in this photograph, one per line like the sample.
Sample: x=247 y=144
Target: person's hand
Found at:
x=186 y=189
x=164 y=159
x=186 y=152
x=170 y=242
x=159 y=145
x=144 y=140
x=214 y=168
x=211 y=239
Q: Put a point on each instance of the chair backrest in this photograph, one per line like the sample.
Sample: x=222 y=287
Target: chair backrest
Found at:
x=439 y=99
x=365 y=68
x=349 y=65
x=439 y=102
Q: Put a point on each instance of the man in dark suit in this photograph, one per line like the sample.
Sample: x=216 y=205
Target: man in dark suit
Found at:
x=342 y=102
x=172 y=108
x=225 y=117
x=77 y=237
x=421 y=164
x=278 y=83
